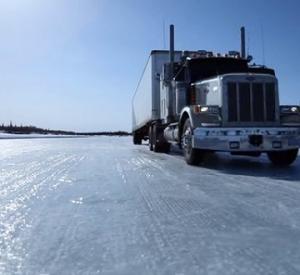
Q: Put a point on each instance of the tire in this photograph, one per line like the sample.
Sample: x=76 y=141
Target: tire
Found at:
x=283 y=158
x=192 y=156
x=166 y=147
x=150 y=138
x=155 y=143
x=159 y=145
x=136 y=139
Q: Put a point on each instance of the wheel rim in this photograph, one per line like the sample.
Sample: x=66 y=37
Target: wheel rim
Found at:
x=186 y=140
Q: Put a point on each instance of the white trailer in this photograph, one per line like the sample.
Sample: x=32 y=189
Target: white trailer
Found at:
x=146 y=99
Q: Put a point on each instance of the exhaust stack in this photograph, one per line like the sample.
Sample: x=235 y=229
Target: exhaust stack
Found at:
x=170 y=94
x=243 y=44
x=171 y=52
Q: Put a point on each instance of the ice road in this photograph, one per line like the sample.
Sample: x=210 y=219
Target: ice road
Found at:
x=104 y=206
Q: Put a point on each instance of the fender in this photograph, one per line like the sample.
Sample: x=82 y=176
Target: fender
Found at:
x=185 y=113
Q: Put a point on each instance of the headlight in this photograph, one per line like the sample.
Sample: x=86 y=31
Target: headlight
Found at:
x=206 y=109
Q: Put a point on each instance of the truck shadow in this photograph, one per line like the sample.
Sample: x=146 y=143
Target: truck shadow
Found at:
x=244 y=165
x=250 y=166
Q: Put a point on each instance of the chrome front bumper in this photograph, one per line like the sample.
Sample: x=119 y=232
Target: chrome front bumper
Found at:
x=241 y=139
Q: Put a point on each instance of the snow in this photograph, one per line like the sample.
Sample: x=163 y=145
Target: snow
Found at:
x=101 y=205
x=25 y=136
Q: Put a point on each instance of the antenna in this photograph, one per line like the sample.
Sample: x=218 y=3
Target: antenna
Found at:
x=262 y=43
x=248 y=43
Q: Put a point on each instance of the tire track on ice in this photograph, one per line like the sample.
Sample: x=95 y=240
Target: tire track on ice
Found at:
x=153 y=232
x=159 y=213
x=272 y=197
x=216 y=218
x=14 y=209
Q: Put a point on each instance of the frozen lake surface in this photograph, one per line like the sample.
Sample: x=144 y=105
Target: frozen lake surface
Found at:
x=104 y=206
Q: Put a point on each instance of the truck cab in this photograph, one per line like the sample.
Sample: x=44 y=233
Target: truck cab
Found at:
x=232 y=106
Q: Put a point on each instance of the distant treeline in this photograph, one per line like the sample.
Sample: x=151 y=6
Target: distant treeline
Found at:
x=116 y=133
x=14 y=129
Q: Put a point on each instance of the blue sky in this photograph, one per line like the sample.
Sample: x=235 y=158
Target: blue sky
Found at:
x=74 y=65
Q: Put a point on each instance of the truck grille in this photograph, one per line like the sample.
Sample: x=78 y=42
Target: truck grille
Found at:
x=251 y=102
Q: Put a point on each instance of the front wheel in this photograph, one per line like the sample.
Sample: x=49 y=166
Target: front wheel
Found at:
x=192 y=156
x=283 y=158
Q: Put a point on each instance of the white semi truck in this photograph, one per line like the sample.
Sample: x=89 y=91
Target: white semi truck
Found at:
x=207 y=102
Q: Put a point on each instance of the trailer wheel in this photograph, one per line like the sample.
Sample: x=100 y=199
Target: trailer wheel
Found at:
x=283 y=158
x=192 y=156
x=136 y=138
x=150 y=134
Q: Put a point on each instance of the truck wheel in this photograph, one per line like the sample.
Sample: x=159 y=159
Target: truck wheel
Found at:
x=166 y=147
x=159 y=145
x=283 y=158
x=155 y=143
x=150 y=133
x=192 y=156
x=136 y=139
